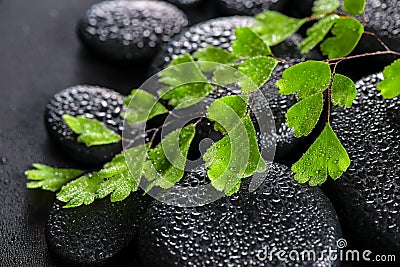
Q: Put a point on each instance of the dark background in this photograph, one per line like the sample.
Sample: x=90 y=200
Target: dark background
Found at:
x=39 y=56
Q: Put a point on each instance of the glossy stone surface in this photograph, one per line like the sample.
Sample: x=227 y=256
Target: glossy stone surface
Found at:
x=249 y=7
x=94 y=102
x=95 y=234
x=220 y=32
x=129 y=31
x=367 y=196
x=232 y=231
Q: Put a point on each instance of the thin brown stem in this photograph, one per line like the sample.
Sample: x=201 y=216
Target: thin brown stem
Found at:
x=378 y=39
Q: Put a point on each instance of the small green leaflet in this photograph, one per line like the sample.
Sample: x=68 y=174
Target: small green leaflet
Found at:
x=249 y=44
x=227 y=112
x=91 y=131
x=317 y=33
x=304 y=115
x=167 y=161
x=49 y=178
x=234 y=157
x=214 y=54
x=306 y=78
x=186 y=83
x=325 y=156
x=142 y=106
x=343 y=91
x=258 y=70
x=122 y=175
x=347 y=32
x=224 y=75
x=115 y=178
x=390 y=86
x=325 y=6
x=354 y=7
x=275 y=27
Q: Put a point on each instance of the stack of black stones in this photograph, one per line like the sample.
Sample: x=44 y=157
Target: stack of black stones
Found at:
x=236 y=230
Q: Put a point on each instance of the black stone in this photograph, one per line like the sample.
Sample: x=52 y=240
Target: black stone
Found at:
x=249 y=7
x=94 y=102
x=129 y=31
x=186 y=3
x=94 y=235
x=231 y=231
x=299 y=8
x=367 y=196
x=220 y=32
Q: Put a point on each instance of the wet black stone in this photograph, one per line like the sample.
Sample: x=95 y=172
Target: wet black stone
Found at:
x=367 y=196
x=281 y=214
x=94 y=102
x=220 y=32
x=94 y=235
x=129 y=31
x=186 y=3
x=249 y=7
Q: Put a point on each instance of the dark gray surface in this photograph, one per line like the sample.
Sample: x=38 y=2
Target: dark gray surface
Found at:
x=39 y=56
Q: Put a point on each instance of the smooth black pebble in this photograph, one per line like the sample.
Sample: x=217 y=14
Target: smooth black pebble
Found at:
x=129 y=31
x=93 y=102
x=94 y=235
x=367 y=196
x=234 y=231
x=249 y=7
x=220 y=32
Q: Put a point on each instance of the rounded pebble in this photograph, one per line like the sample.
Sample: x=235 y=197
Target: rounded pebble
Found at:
x=129 y=31
x=237 y=230
x=93 y=102
x=249 y=7
x=367 y=196
x=95 y=234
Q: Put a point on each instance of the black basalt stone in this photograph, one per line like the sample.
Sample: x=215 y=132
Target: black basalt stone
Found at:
x=93 y=102
x=249 y=7
x=220 y=32
x=129 y=31
x=235 y=231
x=94 y=235
x=367 y=196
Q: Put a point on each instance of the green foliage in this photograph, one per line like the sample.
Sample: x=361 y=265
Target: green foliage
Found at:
x=234 y=157
x=325 y=6
x=49 y=178
x=343 y=91
x=325 y=156
x=317 y=33
x=354 y=7
x=114 y=178
x=258 y=70
x=306 y=78
x=214 y=54
x=249 y=44
x=304 y=115
x=389 y=87
x=186 y=83
x=227 y=112
x=347 y=33
x=168 y=159
x=142 y=106
x=274 y=27
x=91 y=131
